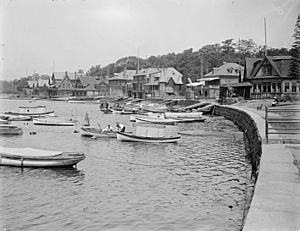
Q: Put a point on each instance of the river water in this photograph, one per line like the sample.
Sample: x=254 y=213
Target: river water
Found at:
x=197 y=184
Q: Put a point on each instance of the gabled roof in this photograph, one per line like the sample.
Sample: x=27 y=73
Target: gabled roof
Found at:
x=227 y=69
x=66 y=78
x=279 y=64
x=171 y=73
x=71 y=75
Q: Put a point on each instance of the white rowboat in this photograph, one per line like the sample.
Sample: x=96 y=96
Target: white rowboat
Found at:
x=125 y=136
x=53 y=122
x=29 y=157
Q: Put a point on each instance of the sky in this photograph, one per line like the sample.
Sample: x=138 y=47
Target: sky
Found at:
x=42 y=36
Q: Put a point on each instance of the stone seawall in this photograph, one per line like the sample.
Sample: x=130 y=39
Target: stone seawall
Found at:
x=252 y=139
x=253 y=146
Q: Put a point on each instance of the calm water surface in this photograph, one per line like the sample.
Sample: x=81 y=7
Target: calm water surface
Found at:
x=197 y=184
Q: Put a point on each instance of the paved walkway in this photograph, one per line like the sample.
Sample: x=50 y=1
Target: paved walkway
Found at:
x=276 y=200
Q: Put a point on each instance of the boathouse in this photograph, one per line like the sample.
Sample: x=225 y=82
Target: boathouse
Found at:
x=165 y=82
x=118 y=84
x=269 y=77
x=226 y=74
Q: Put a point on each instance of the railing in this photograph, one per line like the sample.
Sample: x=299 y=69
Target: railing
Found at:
x=283 y=124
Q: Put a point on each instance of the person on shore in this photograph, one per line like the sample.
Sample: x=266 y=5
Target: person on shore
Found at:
x=275 y=102
x=108 y=129
x=120 y=127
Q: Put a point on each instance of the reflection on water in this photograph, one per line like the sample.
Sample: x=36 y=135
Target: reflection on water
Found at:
x=196 y=184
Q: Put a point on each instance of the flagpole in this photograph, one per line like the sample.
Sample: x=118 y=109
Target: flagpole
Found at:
x=265 y=24
x=138 y=67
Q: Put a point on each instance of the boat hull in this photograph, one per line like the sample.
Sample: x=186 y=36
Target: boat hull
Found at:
x=156 y=120
x=62 y=160
x=95 y=132
x=10 y=130
x=49 y=113
x=19 y=118
x=46 y=122
x=132 y=138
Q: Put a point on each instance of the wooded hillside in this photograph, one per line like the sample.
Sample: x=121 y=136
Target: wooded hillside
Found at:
x=192 y=64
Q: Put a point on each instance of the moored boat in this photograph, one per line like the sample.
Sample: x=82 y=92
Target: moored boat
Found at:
x=97 y=133
x=35 y=111
x=53 y=122
x=156 y=120
x=2 y=121
x=176 y=115
x=29 y=157
x=150 y=133
x=88 y=131
x=19 y=118
x=7 y=129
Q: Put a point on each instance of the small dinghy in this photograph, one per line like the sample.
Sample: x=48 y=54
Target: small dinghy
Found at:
x=29 y=157
x=7 y=129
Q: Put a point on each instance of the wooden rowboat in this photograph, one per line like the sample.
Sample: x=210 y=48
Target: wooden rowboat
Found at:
x=53 y=122
x=156 y=120
x=29 y=157
x=126 y=136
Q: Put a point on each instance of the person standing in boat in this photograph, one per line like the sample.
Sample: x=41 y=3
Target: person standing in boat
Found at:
x=120 y=127
x=108 y=129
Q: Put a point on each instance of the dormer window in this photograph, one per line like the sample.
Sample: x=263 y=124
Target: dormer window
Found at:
x=266 y=70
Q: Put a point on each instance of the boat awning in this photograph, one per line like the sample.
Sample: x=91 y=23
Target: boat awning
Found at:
x=27 y=152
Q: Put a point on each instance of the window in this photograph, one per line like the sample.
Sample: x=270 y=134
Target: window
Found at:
x=268 y=87
x=266 y=70
x=279 y=87
x=294 y=87
x=254 y=88
x=287 y=87
x=264 y=87
x=274 y=87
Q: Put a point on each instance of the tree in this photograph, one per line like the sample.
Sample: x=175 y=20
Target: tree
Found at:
x=248 y=48
x=228 y=46
x=294 y=70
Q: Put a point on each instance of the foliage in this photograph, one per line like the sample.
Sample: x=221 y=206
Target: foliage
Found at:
x=8 y=87
x=294 y=71
x=193 y=64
